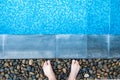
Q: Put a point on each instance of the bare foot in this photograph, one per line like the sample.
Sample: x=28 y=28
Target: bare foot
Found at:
x=75 y=67
x=48 y=71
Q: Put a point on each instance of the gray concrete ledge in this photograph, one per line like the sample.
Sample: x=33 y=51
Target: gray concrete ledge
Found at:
x=59 y=46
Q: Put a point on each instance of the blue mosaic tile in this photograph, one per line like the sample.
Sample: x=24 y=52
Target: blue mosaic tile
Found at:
x=115 y=17
x=97 y=46
x=30 y=46
x=1 y=45
x=59 y=17
x=97 y=16
x=114 y=46
x=71 y=46
x=42 y=17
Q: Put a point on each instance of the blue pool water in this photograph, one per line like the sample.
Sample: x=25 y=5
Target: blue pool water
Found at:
x=59 y=16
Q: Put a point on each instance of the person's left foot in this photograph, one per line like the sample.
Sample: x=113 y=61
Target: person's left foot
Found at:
x=48 y=71
x=75 y=67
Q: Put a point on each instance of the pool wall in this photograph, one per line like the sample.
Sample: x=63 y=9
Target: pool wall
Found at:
x=59 y=46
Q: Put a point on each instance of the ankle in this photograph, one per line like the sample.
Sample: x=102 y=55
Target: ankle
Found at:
x=72 y=77
x=52 y=78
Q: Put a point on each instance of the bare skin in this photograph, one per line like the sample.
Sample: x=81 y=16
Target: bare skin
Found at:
x=75 y=67
x=48 y=71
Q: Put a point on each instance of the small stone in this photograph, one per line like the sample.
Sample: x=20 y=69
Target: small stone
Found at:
x=119 y=63
x=105 y=67
x=2 y=73
x=39 y=62
x=6 y=64
x=59 y=70
x=37 y=76
x=27 y=62
x=18 y=67
x=23 y=61
x=83 y=60
x=28 y=68
x=105 y=61
x=59 y=67
x=98 y=76
x=6 y=75
x=90 y=71
x=103 y=70
x=31 y=73
x=98 y=71
x=114 y=73
x=1 y=70
x=113 y=64
x=64 y=70
x=15 y=63
x=41 y=76
x=107 y=70
x=86 y=75
x=33 y=69
x=33 y=77
x=11 y=63
x=23 y=65
x=93 y=68
x=106 y=74
x=40 y=79
x=114 y=60
x=30 y=62
x=80 y=62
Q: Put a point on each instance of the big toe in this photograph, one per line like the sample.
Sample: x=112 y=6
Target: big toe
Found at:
x=49 y=63
x=73 y=61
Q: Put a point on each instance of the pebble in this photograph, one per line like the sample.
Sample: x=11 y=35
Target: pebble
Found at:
x=31 y=73
x=32 y=69
x=93 y=68
x=37 y=76
x=90 y=71
x=28 y=68
x=41 y=76
x=11 y=63
x=6 y=64
x=18 y=67
x=2 y=73
x=39 y=62
x=64 y=70
x=30 y=62
x=6 y=75
x=86 y=75
x=23 y=61
x=59 y=67
x=40 y=79
x=98 y=76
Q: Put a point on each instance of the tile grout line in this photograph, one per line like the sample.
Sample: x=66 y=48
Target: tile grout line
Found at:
x=55 y=47
x=87 y=46
x=109 y=29
x=108 y=40
x=3 y=44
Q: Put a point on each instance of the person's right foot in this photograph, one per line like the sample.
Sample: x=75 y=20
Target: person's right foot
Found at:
x=75 y=67
x=47 y=68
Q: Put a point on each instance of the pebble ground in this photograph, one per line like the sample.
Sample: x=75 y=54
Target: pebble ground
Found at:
x=31 y=69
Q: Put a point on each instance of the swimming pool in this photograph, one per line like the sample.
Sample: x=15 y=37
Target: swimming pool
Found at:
x=60 y=17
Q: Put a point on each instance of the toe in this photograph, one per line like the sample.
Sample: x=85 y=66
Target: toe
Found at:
x=76 y=62
x=73 y=61
x=48 y=62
